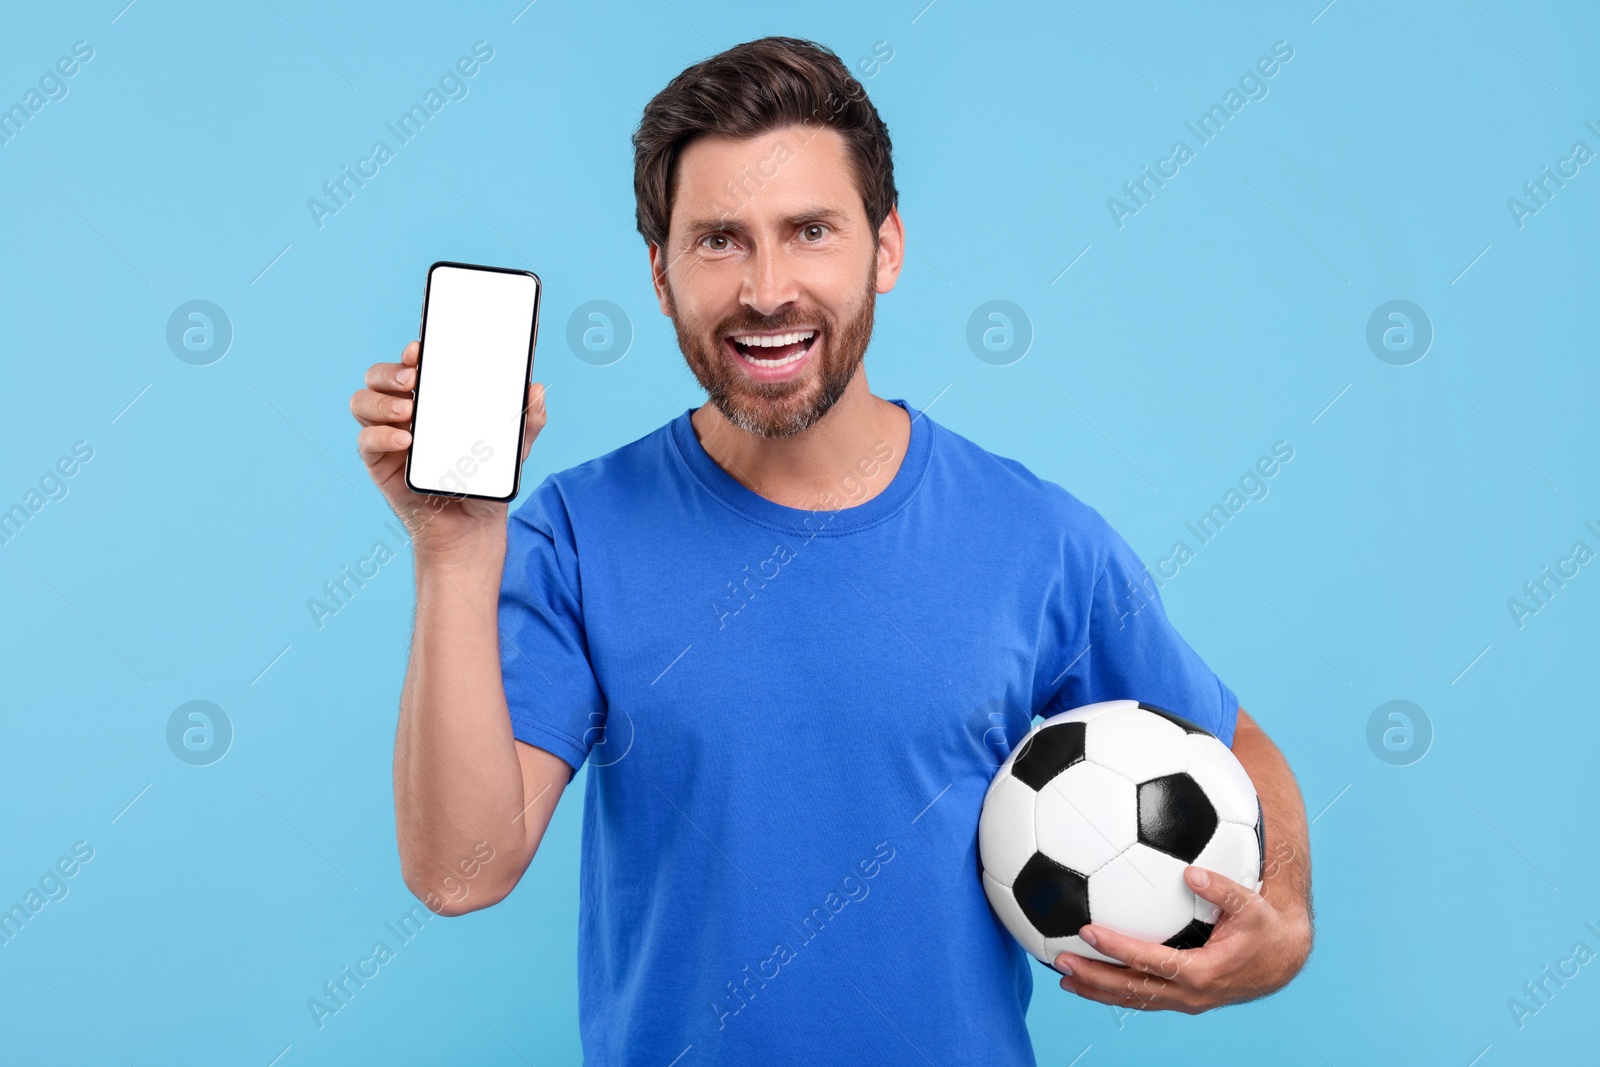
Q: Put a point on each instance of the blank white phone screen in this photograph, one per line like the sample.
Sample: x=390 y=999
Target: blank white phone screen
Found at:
x=475 y=346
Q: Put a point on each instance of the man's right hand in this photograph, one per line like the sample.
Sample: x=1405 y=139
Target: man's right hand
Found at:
x=440 y=527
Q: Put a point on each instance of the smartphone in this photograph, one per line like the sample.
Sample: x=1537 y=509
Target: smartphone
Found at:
x=479 y=326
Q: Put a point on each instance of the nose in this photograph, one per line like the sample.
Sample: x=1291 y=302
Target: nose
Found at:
x=769 y=280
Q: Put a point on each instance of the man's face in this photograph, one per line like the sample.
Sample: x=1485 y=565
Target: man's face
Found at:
x=769 y=242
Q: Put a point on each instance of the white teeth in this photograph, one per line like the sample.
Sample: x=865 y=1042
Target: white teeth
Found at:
x=776 y=341
x=784 y=362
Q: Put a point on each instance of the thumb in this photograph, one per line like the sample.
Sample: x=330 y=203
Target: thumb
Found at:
x=1220 y=890
x=533 y=418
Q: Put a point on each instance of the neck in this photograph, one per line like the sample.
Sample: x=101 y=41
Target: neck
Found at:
x=824 y=467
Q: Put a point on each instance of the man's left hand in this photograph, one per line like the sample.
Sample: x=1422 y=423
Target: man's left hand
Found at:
x=1255 y=948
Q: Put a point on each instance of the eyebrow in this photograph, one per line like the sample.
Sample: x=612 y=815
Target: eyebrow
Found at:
x=718 y=222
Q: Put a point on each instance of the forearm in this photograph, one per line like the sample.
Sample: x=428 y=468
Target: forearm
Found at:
x=1286 y=881
x=457 y=779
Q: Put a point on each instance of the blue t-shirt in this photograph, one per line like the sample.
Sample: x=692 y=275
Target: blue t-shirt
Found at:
x=790 y=719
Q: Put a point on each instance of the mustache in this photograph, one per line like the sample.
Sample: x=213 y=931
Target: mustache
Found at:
x=781 y=322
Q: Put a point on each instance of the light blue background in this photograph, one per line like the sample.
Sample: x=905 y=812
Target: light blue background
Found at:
x=1228 y=314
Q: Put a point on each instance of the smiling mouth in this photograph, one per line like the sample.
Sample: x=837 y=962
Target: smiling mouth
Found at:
x=772 y=351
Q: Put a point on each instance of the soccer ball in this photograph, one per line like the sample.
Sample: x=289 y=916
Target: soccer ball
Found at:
x=1095 y=815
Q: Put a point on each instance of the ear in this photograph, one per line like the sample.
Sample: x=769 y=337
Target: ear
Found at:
x=658 y=278
x=891 y=249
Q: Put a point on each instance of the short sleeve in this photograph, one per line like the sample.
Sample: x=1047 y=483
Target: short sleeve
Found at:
x=1134 y=653
x=555 y=701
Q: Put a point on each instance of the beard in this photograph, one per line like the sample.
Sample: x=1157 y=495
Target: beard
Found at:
x=778 y=409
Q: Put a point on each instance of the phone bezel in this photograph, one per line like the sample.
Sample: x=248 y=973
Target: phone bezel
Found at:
x=527 y=375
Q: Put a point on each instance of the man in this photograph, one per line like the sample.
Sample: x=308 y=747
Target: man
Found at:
x=787 y=630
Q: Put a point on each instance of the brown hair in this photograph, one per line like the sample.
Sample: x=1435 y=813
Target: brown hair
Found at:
x=747 y=90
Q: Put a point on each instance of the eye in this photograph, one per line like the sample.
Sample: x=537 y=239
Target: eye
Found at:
x=819 y=228
x=715 y=237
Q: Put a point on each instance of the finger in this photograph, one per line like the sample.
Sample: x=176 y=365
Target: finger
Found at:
x=536 y=410
x=391 y=378
x=1112 y=979
x=371 y=407
x=1099 y=996
x=1103 y=996
x=375 y=442
x=1146 y=956
x=411 y=353
x=1221 y=890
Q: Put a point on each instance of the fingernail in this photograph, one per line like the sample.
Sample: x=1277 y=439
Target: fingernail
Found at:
x=407 y=375
x=1199 y=878
x=1088 y=936
x=1063 y=966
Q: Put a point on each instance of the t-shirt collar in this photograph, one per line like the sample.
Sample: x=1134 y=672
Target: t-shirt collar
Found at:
x=757 y=508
